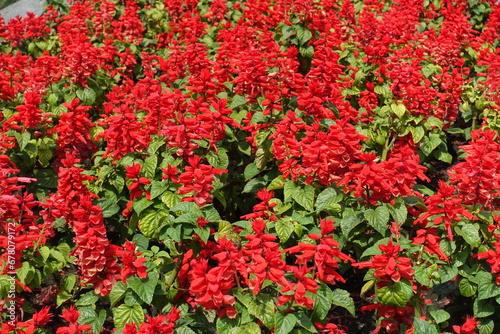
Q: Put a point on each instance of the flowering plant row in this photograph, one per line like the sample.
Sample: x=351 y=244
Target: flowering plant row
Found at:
x=251 y=167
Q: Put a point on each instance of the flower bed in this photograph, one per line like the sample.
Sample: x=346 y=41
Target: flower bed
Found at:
x=251 y=167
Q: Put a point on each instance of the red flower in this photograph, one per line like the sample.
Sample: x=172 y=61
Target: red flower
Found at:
x=469 y=326
x=71 y=315
x=389 y=265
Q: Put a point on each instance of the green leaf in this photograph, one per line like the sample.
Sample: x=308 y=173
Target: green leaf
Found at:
x=277 y=183
x=62 y=297
x=262 y=307
x=23 y=139
x=249 y=328
x=69 y=281
x=254 y=185
x=109 y=207
x=418 y=133
x=144 y=288
x=482 y=308
x=378 y=219
x=470 y=233
x=285 y=324
x=141 y=205
x=305 y=322
x=219 y=160
x=128 y=314
x=343 y=299
x=440 y=316
x=399 y=212
x=304 y=35
x=148 y=169
x=326 y=198
x=305 y=197
x=170 y=199
x=434 y=122
x=25 y=273
x=486 y=326
x=467 y=289
x=398 y=109
x=250 y=171
x=87 y=299
x=423 y=327
x=158 y=188
x=348 y=223
x=284 y=228
x=226 y=230
x=86 y=95
x=430 y=145
x=184 y=330
x=117 y=293
x=150 y=222
x=44 y=156
x=237 y=101
x=322 y=302
x=397 y=294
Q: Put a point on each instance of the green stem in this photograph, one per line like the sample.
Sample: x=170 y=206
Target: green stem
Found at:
x=173 y=275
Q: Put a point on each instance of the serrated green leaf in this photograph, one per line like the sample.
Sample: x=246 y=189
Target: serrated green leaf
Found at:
x=262 y=307
x=237 y=101
x=170 y=199
x=109 y=207
x=158 y=188
x=249 y=328
x=486 y=326
x=141 y=205
x=87 y=299
x=378 y=219
x=23 y=139
x=44 y=156
x=184 y=330
x=305 y=322
x=144 y=288
x=434 y=122
x=482 y=308
x=128 y=314
x=148 y=168
x=431 y=144
x=117 y=293
x=254 y=185
x=397 y=294
x=418 y=134
x=399 y=212
x=219 y=160
x=69 y=281
x=277 y=183
x=470 y=233
x=226 y=230
x=343 y=299
x=348 y=223
x=150 y=222
x=423 y=327
x=285 y=323
x=322 y=302
x=305 y=197
x=86 y=95
x=284 y=229
x=326 y=198
x=304 y=35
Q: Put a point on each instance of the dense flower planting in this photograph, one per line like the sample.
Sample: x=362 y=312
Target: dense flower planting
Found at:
x=245 y=167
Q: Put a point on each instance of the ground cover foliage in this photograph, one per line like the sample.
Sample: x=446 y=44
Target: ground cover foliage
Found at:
x=251 y=167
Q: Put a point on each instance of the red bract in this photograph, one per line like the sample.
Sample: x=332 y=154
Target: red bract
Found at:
x=73 y=202
x=469 y=326
x=325 y=256
x=162 y=324
x=389 y=266
x=39 y=320
x=198 y=178
x=266 y=258
x=71 y=315
x=445 y=207
x=72 y=131
x=392 y=317
x=476 y=178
